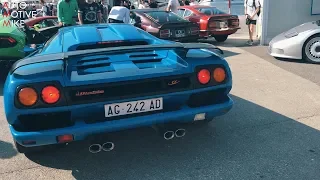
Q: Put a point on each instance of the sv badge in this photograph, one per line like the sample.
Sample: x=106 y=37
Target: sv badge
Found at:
x=174 y=82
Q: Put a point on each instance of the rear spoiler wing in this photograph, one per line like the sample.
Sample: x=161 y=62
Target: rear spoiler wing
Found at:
x=186 y=46
x=111 y=50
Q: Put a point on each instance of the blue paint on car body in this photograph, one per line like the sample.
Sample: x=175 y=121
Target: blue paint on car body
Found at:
x=106 y=78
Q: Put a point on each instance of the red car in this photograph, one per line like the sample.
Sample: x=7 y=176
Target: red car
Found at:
x=212 y=21
x=46 y=21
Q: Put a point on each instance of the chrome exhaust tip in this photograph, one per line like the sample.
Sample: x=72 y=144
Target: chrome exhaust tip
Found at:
x=95 y=148
x=180 y=133
x=108 y=146
x=168 y=135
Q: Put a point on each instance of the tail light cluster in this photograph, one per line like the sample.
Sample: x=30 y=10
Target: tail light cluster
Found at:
x=165 y=33
x=7 y=42
x=211 y=76
x=45 y=96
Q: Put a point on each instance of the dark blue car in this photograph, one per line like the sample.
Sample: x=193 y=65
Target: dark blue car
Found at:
x=94 y=79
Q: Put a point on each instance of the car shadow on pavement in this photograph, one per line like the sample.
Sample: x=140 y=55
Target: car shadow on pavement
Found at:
x=299 y=61
x=250 y=142
x=230 y=42
x=7 y=150
x=227 y=53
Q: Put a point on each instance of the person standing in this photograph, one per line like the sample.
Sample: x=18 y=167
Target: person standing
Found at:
x=104 y=11
x=3 y=11
x=66 y=12
x=143 y=4
x=89 y=13
x=44 y=9
x=153 y=4
x=173 y=6
x=252 y=9
x=119 y=14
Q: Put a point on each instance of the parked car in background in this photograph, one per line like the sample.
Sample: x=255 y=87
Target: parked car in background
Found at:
x=212 y=21
x=43 y=22
x=301 y=42
x=12 y=42
x=14 y=39
x=167 y=25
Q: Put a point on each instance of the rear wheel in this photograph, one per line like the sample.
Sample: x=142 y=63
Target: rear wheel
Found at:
x=221 y=38
x=311 y=49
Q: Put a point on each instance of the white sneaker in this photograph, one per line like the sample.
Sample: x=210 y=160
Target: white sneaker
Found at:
x=250 y=42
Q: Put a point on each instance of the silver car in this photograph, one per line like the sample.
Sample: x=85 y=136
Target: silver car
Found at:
x=301 y=42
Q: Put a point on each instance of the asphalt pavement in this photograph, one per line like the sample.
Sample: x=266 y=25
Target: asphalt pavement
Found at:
x=272 y=132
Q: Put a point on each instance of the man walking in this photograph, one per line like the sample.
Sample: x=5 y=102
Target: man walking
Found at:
x=66 y=12
x=89 y=13
x=252 y=9
x=173 y=6
x=119 y=14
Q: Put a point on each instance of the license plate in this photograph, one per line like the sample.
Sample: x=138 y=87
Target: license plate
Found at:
x=133 y=107
x=180 y=33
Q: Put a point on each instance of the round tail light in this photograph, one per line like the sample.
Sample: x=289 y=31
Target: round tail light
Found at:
x=204 y=76
x=27 y=96
x=50 y=94
x=219 y=75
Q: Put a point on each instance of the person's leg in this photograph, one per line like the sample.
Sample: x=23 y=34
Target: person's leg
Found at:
x=249 y=30
x=248 y=23
x=252 y=27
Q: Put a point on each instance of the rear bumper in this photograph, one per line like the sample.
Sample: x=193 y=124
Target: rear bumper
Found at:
x=186 y=38
x=80 y=130
x=207 y=33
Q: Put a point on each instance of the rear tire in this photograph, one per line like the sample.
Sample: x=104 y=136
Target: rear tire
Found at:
x=311 y=49
x=221 y=38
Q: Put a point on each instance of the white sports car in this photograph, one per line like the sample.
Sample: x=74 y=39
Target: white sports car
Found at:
x=301 y=42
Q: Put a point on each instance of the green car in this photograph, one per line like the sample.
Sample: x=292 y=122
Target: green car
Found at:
x=12 y=43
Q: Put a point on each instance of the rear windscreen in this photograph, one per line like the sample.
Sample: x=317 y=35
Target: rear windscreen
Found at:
x=210 y=11
x=164 y=17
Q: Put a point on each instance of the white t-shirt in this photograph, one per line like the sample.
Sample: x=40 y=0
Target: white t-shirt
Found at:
x=143 y=6
x=194 y=3
x=44 y=10
x=120 y=13
x=251 y=9
x=174 y=5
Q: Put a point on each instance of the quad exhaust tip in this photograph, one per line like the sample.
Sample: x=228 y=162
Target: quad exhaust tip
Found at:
x=108 y=146
x=96 y=148
x=180 y=133
x=168 y=135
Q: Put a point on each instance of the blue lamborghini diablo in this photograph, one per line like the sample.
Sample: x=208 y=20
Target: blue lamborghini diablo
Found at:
x=101 y=78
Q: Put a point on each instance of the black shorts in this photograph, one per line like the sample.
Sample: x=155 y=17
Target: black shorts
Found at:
x=249 y=21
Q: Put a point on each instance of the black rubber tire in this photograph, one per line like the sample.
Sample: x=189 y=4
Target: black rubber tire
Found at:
x=221 y=38
x=304 y=55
